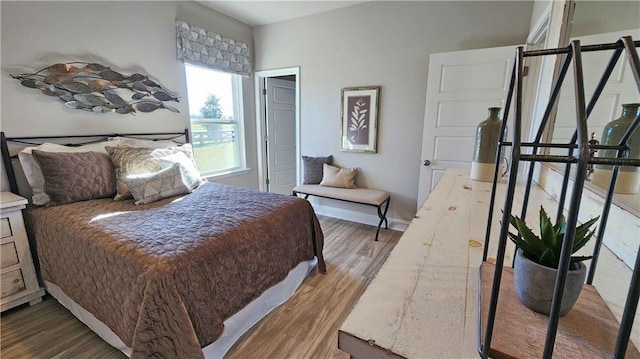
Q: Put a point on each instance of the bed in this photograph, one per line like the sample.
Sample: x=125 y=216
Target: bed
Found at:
x=180 y=277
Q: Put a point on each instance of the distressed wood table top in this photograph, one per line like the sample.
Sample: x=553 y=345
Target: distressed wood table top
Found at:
x=423 y=303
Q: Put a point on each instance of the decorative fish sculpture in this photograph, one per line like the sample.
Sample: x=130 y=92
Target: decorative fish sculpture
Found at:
x=90 y=100
x=92 y=87
x=116 y=101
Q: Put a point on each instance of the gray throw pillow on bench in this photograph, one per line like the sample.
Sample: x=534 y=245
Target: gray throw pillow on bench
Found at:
x=313 y=168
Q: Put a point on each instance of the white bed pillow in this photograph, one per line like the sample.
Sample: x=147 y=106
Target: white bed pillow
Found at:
x=135 y=142
x=32 y=170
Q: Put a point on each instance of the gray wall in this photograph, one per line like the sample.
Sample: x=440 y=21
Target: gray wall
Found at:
x=129 y=36
x=596 y=17
x=539 y=7
x=386 y=44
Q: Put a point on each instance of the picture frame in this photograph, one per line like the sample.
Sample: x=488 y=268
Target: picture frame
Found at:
x=359 y=115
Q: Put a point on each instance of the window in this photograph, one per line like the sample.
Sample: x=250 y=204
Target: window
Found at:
x=215 y=109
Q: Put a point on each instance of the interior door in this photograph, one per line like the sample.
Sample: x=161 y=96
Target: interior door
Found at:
x=462 y=86
x=281 y=135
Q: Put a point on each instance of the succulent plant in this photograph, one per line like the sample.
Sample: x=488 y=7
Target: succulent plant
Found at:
x=545 y=250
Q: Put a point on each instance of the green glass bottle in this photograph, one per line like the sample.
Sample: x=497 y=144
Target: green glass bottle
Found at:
x=628 y=177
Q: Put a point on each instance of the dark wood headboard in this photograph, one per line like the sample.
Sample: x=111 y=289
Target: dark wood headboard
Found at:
x=76 y=140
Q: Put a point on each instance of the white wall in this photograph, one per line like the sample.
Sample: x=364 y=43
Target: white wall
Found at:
x=128 y=36
x=386 y=44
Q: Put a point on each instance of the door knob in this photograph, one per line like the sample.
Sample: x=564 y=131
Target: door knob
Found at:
x=426 y=163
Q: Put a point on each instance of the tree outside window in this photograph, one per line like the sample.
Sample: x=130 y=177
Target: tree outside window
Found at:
x=211 y=108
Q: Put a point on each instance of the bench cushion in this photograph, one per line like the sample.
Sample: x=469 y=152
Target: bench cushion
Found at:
x=361 y=195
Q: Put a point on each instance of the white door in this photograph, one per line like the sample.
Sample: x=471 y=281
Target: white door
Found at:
x=281 y=135
x=462 y=86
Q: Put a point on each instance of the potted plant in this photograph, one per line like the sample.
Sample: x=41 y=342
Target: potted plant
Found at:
x=537 y=260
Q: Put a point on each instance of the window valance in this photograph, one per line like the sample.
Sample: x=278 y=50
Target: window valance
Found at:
x=201 y=47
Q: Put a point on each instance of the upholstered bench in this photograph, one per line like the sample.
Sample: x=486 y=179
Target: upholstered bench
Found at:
x=366 y=196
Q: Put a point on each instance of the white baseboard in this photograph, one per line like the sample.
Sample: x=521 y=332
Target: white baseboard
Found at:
x=359 y=217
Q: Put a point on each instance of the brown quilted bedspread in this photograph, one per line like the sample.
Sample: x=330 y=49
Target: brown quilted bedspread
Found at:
x=164 y=276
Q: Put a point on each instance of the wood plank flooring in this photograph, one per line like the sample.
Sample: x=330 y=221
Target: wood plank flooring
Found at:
x=304 y=327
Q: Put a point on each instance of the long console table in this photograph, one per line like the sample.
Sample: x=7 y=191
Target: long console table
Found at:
x=423 y=302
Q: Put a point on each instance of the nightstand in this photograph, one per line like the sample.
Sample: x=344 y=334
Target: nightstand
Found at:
x=18 y=280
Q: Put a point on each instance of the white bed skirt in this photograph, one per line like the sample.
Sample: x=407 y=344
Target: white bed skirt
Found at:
x=234 y=327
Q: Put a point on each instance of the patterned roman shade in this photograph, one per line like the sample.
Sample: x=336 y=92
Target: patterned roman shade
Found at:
x=200 y=47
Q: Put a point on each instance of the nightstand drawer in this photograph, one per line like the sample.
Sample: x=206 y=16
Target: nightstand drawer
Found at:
x=18 y=278
x=8 y=255
x=12 y=283
x=5 y=228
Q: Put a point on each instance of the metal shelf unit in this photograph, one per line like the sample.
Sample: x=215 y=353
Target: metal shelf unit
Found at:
x=578 y=155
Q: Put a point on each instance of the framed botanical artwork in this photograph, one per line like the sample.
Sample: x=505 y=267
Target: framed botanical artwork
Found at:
x=360 y=107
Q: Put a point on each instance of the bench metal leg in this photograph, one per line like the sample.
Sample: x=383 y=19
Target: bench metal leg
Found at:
x=383 y=216
x=306 y=196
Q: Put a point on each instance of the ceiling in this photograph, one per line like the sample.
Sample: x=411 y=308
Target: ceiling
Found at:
x=258 y=13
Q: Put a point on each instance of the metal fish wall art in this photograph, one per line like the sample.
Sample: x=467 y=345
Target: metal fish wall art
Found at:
x=96 y=88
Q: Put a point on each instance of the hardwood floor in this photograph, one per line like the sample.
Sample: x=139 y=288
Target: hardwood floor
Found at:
x=304 y=327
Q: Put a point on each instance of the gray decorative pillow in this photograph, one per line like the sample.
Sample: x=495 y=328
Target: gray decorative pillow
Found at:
x=313 y=168
x=72 y=177
x=139 y=160
x=150 y=187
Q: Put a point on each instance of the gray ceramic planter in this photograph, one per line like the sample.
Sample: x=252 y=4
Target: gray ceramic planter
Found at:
x=534 y=285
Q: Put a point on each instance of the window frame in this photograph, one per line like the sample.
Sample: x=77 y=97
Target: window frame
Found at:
x=238 y=121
